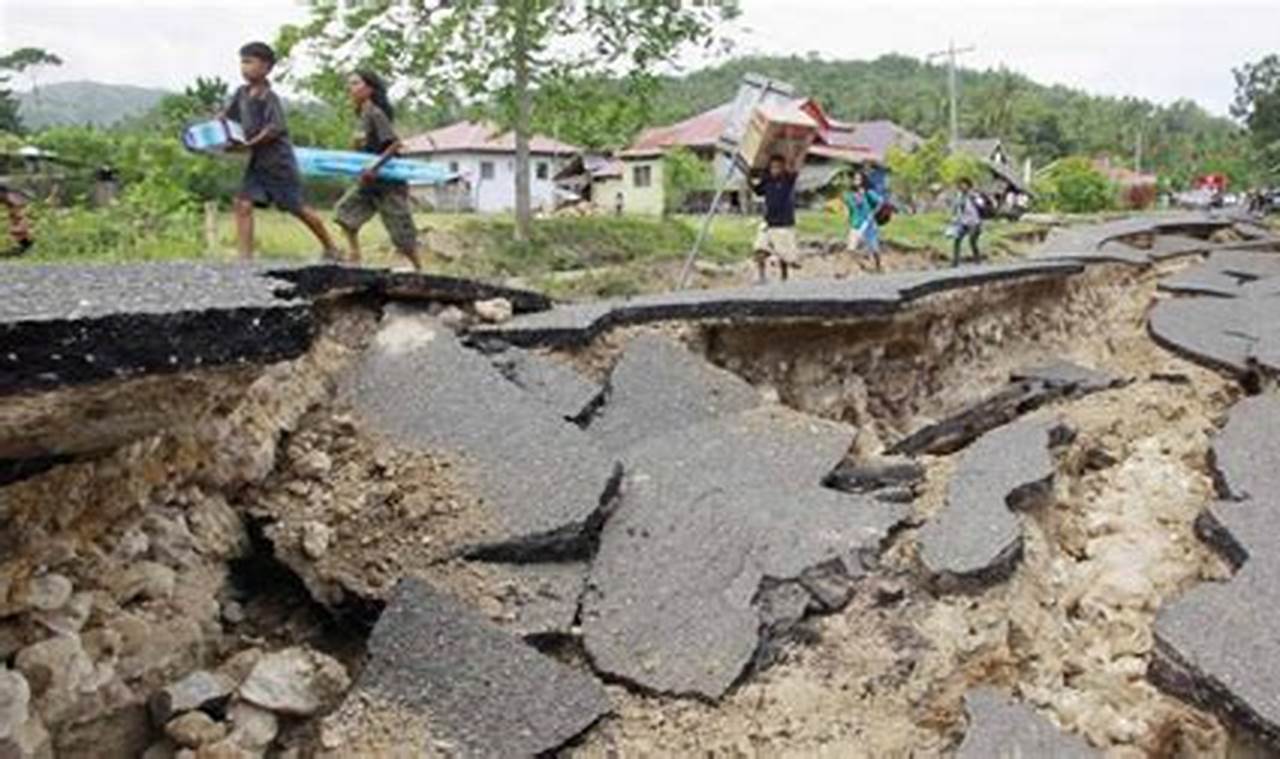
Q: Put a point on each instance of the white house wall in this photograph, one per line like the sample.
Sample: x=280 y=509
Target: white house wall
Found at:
x=498 y=194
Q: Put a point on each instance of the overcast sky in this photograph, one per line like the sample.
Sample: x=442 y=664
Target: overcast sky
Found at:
x=1151 y=49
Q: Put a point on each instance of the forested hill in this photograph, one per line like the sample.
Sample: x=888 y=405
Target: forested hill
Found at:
x=1037 y=121
x=78 y=103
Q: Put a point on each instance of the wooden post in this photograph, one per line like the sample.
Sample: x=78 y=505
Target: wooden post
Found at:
x=211 y=228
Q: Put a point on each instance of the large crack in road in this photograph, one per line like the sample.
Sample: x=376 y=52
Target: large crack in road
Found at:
x=922 y=515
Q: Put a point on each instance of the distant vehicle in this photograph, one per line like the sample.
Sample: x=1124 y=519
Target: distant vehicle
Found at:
x=1200 y=198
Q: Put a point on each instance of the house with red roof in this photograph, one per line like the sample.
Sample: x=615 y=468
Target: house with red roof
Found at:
x=485 y=157
x=839 y=145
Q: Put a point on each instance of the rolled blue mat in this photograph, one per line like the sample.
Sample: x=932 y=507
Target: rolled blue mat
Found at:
x=314 y=162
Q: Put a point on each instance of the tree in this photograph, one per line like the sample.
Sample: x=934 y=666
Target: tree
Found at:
x=1073 y=185
x=10 y=121
x=198 y=100
x=683 y=172
x=506 y=50
x=29 y=60
x=1257 y=105
x=959 y=166
x=917 y=171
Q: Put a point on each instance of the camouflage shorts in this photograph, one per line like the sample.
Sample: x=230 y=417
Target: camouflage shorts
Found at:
x=359 y=205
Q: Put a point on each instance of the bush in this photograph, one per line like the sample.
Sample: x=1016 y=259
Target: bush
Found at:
x=1073 y=185
x=959 y=166
x=683 y=172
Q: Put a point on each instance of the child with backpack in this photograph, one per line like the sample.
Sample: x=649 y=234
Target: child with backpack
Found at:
x=967 y=212
x=863 y=205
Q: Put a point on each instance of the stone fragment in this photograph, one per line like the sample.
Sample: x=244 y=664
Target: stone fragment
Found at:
x=146 y=580
x=295 y=681
x=194 y=729
x=68 y=619
x=15 y=698
x=217 y=529
x=200 y=690
x=494 y=310
x=29 y=741
x=977 y=531
x=57 y=670
x=871 y=476
x=483 y=690
x=252 y=727
x=314 y=465
x=1000 y=728
x=47 y=592
x=315 y=539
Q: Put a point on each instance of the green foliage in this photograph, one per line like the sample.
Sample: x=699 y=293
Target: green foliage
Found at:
x=198 y=101
x=915 y=172
x=1257 y=104
x=1073 y=185
x=81 y=103
x=963 y=166
x=684 y=172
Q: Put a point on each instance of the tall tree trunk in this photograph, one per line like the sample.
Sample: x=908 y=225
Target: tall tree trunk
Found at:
x=524 y=117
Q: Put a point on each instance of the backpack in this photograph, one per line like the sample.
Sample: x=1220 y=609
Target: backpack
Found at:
x=986 y=206
x=884 y=214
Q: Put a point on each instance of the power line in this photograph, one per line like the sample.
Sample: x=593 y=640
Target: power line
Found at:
x=951 y=53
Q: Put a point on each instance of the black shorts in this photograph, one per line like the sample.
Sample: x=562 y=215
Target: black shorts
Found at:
x=266 y=190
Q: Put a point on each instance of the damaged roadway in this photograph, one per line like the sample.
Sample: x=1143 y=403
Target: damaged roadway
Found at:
x=1217 y=646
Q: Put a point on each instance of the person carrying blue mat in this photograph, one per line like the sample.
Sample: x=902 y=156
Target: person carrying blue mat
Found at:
x=272 y=177
x=375 y=195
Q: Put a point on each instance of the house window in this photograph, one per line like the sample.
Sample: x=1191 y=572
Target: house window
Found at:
x=486 y=170
x=642 y=176
x=453 y=167
x=542 y=170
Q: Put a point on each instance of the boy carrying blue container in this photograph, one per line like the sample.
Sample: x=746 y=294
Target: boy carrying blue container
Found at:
x=271 y=178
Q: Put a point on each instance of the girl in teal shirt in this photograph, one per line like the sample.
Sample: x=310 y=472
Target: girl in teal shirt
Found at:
x=862 y=204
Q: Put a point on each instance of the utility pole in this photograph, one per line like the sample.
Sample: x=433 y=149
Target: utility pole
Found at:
x=1137 y=152
x=950 y=54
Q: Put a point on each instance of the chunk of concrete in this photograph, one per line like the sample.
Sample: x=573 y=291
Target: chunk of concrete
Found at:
x=1000 y=728
x=198 y=690
x=659 y=385
x=1216 y=646
x=977 y=532
x=1029 y=388
x=542 y=599
x=566 y=391
x=708 y=513
x=544 y=480
x=1246 y=453
x=481 y=689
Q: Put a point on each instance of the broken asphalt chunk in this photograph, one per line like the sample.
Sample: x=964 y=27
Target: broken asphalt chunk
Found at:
x=977 y=534
x=658 y=386
x=708 y=513
x=479 y=688
x=545 y=483
x=552 y=382
x=1001 y=728
x=1246 y=453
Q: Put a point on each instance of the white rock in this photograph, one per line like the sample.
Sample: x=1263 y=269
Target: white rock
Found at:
x=58 y=670
x=47 y=592
x=252 y=727
x=145 y=580
x=315 y=539
x=495 y=310
x=132 y=544
x=195 y=729
x=195 y=691
x=30 y=741
x=314 y=464
x=15 y=697
x=453 y=317
x=70 y=618
x=295 y=681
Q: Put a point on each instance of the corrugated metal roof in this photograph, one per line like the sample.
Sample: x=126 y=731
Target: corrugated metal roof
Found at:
x=480 y=137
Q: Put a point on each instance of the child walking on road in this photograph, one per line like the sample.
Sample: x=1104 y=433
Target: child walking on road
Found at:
x=272 y=176
x=372 y=195
x=966 y=221
x=777 y=236
x=862 y=204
